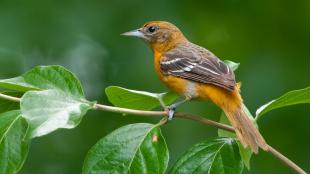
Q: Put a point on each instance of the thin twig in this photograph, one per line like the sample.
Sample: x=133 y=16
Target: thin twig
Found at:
x=195 y=118
x=198 y=119
x=203 y=120
x=129 y=111
x=285 y=160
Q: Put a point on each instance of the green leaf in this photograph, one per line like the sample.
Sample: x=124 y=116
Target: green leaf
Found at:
x=215 y=156
x=17 y=83
x=7 y=105
x=232 y=65
x=135 y=148
x=245 y=153
x=49 y=110
x=133 y=99
x=291 y=98
x=58 y=103
x=13 y=145
x=45 y=77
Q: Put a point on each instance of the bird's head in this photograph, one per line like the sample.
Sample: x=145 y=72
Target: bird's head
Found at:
x=160 y=35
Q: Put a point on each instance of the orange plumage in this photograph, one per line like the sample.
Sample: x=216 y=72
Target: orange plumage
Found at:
x=196 y=73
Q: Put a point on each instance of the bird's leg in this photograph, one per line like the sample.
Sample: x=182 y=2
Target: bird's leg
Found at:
x=171 y=108
x=161 y=100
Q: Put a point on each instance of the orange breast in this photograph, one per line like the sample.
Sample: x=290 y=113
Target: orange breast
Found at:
x=157 y=59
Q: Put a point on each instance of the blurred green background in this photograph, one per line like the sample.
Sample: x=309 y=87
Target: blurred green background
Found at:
x=269 y=38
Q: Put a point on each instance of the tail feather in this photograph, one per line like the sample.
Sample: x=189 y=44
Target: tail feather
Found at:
x=231 y=103
x=245 y=129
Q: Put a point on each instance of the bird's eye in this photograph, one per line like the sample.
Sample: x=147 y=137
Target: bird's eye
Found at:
x=152 y=29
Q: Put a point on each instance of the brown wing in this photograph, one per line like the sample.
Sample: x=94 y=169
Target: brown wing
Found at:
x=197 y=64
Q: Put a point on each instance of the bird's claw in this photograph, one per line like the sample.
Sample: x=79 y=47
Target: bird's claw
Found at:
x=171 y=111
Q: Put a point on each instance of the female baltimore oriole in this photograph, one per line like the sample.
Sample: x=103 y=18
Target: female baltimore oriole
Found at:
x=196 y=73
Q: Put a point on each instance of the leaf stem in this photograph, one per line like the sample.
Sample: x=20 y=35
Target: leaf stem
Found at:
x=11 y=98
x=195 y=118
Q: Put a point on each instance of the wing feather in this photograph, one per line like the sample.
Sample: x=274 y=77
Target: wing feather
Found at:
x=197 y=64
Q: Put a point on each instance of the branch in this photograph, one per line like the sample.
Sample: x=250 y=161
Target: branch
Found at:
x=195 y=118
x=201 y=120
x=285 y=160
x=198 y=119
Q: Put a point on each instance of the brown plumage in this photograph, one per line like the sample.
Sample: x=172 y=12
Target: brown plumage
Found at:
x=195 y=63
x=195 y=72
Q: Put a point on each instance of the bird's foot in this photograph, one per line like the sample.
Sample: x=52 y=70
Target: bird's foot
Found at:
x=171 y=111
x=171 y=108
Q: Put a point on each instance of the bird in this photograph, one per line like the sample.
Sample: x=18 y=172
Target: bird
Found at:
x=194 y=72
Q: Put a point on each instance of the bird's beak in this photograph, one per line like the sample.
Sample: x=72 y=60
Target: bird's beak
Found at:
x=134 y=33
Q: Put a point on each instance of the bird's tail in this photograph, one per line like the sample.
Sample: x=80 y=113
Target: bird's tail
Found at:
x=245 y=129
x=231 y=103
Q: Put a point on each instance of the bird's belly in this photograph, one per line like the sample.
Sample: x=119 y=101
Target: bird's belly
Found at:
x=191 y=89
x=181 y=86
